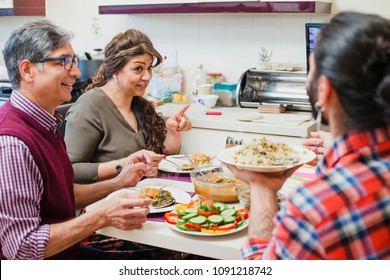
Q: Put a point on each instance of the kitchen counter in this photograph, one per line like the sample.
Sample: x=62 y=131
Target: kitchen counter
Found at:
x=209 y=132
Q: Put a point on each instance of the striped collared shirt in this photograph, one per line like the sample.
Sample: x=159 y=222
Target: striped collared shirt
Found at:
x=21 y=188
x=344 y=213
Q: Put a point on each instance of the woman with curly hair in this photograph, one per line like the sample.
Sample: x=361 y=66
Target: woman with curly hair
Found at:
x=112 y=119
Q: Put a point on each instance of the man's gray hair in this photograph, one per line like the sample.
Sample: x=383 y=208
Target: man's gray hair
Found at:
x=33 y=41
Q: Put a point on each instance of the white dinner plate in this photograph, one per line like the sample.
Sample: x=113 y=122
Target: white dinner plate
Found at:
x=179 y=195
x=199 y=233
x=179 y=160
x=305 y=156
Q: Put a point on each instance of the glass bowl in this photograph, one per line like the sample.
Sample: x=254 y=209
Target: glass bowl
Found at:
x=244 y=197
x=214 y=183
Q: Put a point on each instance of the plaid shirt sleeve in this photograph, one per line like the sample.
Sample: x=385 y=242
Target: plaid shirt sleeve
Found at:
x=21 y=235
x=293 y=238
x=253 y=249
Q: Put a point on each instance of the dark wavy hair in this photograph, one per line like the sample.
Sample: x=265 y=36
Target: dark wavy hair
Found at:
x=120 y=50
x=353 y=52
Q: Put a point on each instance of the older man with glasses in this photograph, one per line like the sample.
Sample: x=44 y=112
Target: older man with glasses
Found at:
x=38 y=197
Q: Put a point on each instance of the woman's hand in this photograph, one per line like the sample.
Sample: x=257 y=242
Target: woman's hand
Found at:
x=149 y=157
x=319 y=143
x=179 y=122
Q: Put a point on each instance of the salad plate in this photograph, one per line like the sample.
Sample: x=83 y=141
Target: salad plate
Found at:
x=205 y=217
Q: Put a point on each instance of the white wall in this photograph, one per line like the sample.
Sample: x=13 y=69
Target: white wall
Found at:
x=227 y=43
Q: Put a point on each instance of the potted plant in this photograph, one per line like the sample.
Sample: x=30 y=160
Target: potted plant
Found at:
x=265 y=59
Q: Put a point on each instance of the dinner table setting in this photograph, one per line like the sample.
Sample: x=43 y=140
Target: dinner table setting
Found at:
x=179 y=224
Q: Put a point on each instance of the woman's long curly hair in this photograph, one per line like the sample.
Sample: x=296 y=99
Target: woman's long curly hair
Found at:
x=122 y=48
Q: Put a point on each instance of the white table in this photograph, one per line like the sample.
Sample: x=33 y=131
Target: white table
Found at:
x=160 y=235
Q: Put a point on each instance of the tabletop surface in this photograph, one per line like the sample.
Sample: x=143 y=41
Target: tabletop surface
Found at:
x=159 y=234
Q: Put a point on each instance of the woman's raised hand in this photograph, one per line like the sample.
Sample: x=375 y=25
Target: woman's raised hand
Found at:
x=179 y=122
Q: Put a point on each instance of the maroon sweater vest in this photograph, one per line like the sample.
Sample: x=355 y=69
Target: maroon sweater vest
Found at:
x=49 y=152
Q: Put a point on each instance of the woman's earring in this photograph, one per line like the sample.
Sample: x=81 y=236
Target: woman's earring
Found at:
x=319 y=110
x=116 y=80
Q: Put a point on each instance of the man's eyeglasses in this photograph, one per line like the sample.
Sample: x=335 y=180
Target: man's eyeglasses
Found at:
x=67 y=61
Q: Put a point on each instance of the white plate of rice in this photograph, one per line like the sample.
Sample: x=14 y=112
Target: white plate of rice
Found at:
x=261 y=154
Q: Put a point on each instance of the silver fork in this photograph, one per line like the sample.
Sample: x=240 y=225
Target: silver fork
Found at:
x=178 y=166
x=196 y=167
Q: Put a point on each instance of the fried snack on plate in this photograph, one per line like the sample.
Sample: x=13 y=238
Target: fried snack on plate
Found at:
x=159 y=197
x=201 y=159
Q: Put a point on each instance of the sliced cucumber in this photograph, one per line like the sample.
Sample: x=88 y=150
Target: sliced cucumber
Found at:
x=229 y=212
x=189 y=216
x=198 y=220
x=190 y=210
x=215 y=219
x=220 y=206
x=227 y=219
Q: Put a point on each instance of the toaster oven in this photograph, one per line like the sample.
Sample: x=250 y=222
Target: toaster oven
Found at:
x=256 y=87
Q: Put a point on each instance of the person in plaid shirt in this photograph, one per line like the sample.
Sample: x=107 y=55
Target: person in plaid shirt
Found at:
x=345 y=212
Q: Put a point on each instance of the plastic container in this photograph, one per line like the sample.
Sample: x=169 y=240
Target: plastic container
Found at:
x=226 y=93
x=165 y=82
x=199 y=78
x=204 y=89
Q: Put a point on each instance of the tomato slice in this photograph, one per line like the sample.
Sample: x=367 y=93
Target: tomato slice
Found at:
x=189 y=225
x=171 y=218
x=207 y=213
x=206 y=207
x=226 y=227
x=244 y=212
x=206 y=201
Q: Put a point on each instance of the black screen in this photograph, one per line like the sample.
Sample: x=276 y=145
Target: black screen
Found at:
x=311 y=30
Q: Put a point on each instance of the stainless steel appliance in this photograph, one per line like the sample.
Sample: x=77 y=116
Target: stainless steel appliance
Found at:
x=5 y=91
x=268 y=86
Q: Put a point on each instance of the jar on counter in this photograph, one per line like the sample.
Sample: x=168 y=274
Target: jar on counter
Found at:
x=214 y=78
x=226 y=93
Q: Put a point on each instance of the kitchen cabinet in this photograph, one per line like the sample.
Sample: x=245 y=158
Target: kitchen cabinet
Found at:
x=6 y=7
x=213 y=6
x=209 y=132
x=22 y=7
x=142 y=2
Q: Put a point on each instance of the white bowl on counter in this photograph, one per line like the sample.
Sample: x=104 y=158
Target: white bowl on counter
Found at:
x=207 y=101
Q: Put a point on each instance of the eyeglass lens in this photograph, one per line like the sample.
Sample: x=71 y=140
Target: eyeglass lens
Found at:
x=68 y=62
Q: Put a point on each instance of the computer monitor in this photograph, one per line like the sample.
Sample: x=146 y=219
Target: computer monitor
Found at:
x=311 y=30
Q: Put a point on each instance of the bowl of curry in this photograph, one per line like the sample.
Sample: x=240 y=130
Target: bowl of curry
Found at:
x=214 y=183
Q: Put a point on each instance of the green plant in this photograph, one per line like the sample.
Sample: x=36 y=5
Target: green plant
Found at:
x=265 y=55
